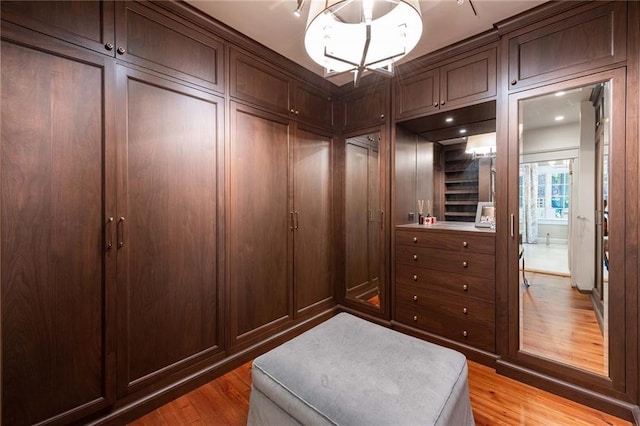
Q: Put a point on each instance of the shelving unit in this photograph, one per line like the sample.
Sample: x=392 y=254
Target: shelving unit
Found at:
x=460 y=184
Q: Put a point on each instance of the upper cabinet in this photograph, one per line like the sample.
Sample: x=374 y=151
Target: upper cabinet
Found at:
x=88 y=24
x=151 y=39
x=566 y=45
x=262 y=85
x=447 y=86
x=142 y=34
x=365 y=107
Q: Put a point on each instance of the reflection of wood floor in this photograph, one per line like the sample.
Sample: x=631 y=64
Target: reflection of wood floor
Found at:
x=496 y=400
x=560 y=323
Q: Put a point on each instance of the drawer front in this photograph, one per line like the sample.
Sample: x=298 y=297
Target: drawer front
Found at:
x=462 y=331
x=474 y=264
x=448 y=282
x=462 y=242
x=463 y=308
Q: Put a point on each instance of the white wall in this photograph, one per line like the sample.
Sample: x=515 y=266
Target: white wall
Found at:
x=558 y=233
x=551 y=143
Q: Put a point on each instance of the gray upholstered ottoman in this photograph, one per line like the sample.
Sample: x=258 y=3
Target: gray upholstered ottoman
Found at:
x=348 y=371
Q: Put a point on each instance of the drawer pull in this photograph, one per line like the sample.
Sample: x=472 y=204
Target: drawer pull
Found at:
x=415 y=239
x=415 y=318
x=465 y=334
x=465 y=244
x=465 y=287
x=415 y=298
x=415 y=278
x=465 y=311
x=415 y=257
x=465 y=264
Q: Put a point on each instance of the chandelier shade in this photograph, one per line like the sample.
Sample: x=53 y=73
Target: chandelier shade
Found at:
x=361 y=35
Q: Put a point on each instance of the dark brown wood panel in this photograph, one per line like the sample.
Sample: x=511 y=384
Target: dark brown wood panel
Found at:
x=418 y=94
x=365 y=107
x=468 y=80
x=168 y=293
x=312 y=206
x=449 y=282
x=584 y=41
x=88 y=24
x=55 y=276
x=156 y=41
x=313 y=105
x=260 y=237
x=481 y=265
x=258 y=83
x=460 y=241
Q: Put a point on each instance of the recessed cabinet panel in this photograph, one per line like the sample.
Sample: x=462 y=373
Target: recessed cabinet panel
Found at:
x=166 y=227
x=313 y=105
x=365 y=108
x=148 y=38
x=88 y=24
x=468 y=80
x=419 y=94
x=586 y=41
x=255 y=82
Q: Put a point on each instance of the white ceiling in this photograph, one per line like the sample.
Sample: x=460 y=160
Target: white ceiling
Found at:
x=272 y=23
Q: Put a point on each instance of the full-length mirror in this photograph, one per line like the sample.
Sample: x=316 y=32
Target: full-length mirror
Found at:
x=564 y=232
x=363 y=218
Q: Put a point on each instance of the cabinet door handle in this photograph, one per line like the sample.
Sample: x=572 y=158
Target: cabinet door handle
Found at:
x=465 y=311
x=415 y=298
x=441 y=102
x=120 y=50
x=465 y=333
x=514 y=82
x=512 y=226
x=381 y=219
x=108 y=233
x=109 y=46
x=465 y=244
x=415 y=239
x=465 y=287
x=415 y=257
x=415 y=318
x=291 y=221
x=415 y=278
x=435 y=104
x=465 y=264
x=295 y=216
x=120 y=232
x=370 y=215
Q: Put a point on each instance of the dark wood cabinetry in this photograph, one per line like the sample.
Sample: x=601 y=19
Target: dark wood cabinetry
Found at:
x=365 y=107
x=262 y=85
x=169 y=311
x=567 y=44
x=461 y=189
x=447 y=86
x=445 y=282
x=57 y=286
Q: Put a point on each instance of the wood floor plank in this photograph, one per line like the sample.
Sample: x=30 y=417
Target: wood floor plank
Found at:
x=496 y=401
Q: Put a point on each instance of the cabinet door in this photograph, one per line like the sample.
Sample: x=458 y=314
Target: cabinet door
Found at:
x=578 y=42
x=57 y=276
x=258 y=83
x=468 y=80
x=418 y=95
x=168 y=138
x=84 y=23
x=153 y=40
x=365 y=107
x=313 y=105
x=260 y=224
x=312 y=206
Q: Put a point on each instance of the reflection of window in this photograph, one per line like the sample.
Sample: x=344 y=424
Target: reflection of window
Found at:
x=553 y=196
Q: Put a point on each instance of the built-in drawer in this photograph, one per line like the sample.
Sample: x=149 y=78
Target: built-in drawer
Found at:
x=449 y=282
x=464 y=308
x=461 y=241
x=460 y=330
x=474 y=264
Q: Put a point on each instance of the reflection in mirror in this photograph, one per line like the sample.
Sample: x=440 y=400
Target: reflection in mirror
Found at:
x=563 y=218
x=363 y=218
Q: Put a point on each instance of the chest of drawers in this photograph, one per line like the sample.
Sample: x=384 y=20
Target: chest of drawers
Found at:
x=445 y=282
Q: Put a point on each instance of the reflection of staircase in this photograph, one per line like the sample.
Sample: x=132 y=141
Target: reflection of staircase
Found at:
x=460 y=184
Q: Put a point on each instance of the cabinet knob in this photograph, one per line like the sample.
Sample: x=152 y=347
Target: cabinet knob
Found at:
x=465 y=244
x=292 y=110
x=465 y=264
x=465 y=311
x=415 y=278
x=381 y=116
x=465 y=334
x=120 y=50
x=297 y=112
x=415 y=298
x=441 y=102
x=109 y=46
x=415 y=257
x=415 y=318
x=415 y=239
x=435 y=104
x=465 y=287
x=514 y=82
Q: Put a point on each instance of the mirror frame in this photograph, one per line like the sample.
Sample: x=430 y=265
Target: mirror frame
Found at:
x=622 y=353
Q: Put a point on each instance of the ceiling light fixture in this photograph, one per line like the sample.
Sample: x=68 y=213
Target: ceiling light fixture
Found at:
x=463 y=131
x=448 y=119
x=299 y=8
x=483 y=145
x=361 y=35
x=559 y=118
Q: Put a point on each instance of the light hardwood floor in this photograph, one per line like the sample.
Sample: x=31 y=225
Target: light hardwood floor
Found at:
x=496 y=400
